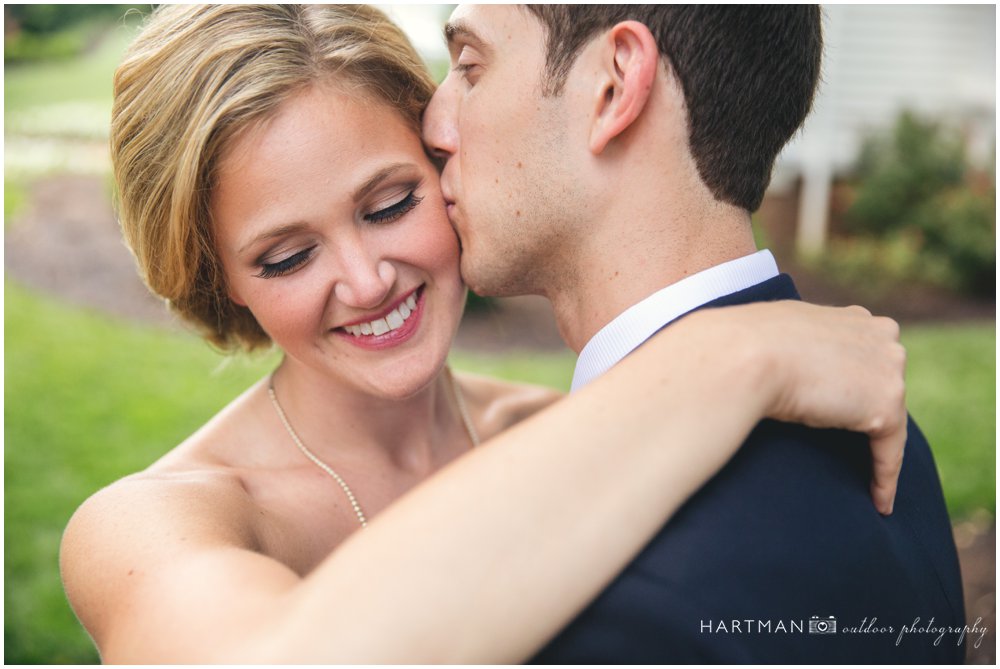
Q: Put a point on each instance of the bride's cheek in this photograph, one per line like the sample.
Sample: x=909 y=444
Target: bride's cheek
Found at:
x=438 y=243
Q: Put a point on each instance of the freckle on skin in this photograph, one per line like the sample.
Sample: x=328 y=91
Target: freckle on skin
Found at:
x=517 y=213
x=519 y=165
x=131 y=571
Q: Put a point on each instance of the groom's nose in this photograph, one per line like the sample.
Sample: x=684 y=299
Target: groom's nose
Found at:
x=440 y=121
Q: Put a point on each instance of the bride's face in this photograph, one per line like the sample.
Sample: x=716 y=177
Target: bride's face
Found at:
x=332 y=230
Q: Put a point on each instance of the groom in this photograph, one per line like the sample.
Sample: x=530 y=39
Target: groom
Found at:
x=608 y=158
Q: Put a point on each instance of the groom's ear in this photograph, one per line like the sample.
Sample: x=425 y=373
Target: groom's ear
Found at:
x=629 y=60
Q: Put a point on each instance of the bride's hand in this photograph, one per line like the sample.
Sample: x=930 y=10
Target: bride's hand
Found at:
x=829 y=367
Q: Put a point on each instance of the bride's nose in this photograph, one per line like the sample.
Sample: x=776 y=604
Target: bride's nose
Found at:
x=364 y=282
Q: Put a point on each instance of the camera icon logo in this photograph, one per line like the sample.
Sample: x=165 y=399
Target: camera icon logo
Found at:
x=819 y=625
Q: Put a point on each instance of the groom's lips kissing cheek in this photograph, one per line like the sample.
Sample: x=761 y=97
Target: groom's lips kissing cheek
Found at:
x=390 y=327
x=450 y=205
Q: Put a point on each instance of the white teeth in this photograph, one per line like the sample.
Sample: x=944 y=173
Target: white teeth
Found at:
x=392 y=321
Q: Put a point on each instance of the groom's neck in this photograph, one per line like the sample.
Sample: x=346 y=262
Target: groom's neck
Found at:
x=639 y=250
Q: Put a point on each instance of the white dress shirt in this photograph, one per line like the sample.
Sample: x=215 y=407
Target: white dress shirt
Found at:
x=640 y=321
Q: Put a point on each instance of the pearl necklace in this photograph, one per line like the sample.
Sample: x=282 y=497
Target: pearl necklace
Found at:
x=463 y=411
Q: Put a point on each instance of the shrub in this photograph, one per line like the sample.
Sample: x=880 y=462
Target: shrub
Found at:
x=29 y=47
x=916 y=184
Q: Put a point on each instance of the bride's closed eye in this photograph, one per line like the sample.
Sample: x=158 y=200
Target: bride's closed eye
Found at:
x=285 y=265
x=394 y=210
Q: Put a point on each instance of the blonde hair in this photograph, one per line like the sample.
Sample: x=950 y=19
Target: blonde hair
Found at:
x=197 y=76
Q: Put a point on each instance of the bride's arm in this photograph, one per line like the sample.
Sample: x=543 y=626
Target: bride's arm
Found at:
x=492 y=556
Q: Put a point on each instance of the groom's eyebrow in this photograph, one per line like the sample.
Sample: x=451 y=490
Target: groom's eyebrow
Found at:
x=459 y=30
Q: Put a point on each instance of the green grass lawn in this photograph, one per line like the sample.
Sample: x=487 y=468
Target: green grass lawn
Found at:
x=89 y=399
x=951 y=393
x=15 y=197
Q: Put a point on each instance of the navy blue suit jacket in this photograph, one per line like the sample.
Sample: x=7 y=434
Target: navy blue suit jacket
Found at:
x=785 y=532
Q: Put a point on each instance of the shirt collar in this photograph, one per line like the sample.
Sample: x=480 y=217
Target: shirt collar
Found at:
x=640 y=321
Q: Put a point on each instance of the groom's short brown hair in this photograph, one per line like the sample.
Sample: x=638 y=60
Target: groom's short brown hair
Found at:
x=748 y=74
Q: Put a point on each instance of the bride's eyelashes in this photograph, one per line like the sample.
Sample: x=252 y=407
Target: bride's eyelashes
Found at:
x=286 y=265
x=395 y=210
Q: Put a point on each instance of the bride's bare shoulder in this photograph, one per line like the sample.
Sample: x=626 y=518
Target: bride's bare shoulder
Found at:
x=162 y=494
x=497 y=404
x=153 y=509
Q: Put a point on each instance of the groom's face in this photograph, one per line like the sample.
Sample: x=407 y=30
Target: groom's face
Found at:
x=506 y=177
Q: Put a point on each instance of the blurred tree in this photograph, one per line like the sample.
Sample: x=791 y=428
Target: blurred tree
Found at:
x=40 y=32
x=42 y=19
